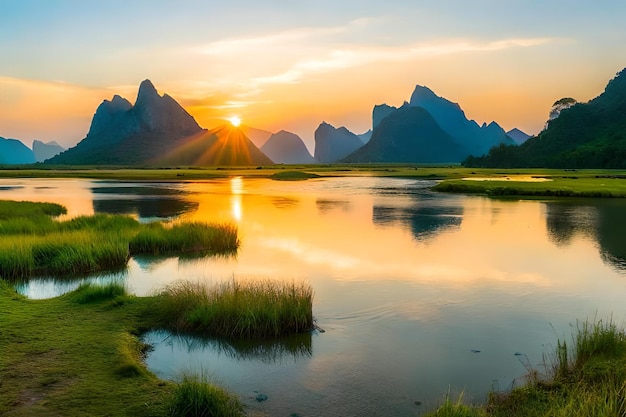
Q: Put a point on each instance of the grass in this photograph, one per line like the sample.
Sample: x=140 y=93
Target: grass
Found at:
x=236 y=309
x=39 y=245
x=586 y=185
x=64 y=358
x=91 y=293
x=155 y=239
x=293 y=175
x=589 y=380
x=196 y=397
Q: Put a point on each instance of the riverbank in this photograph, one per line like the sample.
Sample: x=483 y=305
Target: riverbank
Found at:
x=584 y=377
x=455 y=179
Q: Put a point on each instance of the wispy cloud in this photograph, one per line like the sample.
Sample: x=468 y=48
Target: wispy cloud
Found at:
x=361 y=55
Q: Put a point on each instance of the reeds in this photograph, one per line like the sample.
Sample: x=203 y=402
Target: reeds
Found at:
x=251 y=309
x=34 y=244
x=155 y=239
x=194 y=396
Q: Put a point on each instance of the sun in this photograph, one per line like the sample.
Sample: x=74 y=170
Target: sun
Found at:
x=235 y=121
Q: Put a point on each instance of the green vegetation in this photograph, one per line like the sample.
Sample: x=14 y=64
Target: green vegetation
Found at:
x=35 y=244
x=90 y=293
x=236 y=309
x=79 y=354
x=66 y=358
x=293 y=175
x=578 y=184
x=195 y=397
x=155 y=239
x=589 y=135
x=588 y=381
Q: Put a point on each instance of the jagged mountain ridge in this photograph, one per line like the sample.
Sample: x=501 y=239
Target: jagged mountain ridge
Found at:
x=151 y=132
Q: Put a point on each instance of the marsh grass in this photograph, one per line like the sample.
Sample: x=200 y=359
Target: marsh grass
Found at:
x=91 y=293
x=588 y=380
x=34 y=244
x=235 y=309
x=195 y=396
x=156 y=238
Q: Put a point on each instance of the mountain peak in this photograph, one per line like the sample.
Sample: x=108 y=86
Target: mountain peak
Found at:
x=422 y=92
x=146 y=91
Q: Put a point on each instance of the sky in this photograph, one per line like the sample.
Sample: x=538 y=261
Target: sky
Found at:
x=291 y=64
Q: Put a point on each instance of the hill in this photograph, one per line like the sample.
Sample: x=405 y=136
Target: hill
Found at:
x=43 y=151
x=332 y=144
x=224 y=145
x=287 y=148
x=13 y=151
x=584 y=135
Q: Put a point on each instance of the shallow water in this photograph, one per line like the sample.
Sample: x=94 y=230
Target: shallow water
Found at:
x=419 y=293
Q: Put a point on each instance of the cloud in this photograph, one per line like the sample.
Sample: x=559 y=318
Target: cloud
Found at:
x=356 y=55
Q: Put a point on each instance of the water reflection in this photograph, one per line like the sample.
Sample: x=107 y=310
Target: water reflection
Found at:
x=426 y=216
x=146 y=208
x=278 y=350
x=325 y=205
x=602 y=221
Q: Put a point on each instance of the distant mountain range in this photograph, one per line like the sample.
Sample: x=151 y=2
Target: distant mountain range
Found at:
x=578 y=135
x=13 y=151
x=437 y=132
x=428 y=128
x=157 y=131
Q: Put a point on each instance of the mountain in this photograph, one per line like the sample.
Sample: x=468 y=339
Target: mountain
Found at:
x=584 y=135
x=333 y=144
x=287 y=148
x=224 y=145
x=467 y=133
x=43 y=151
x=12 y=151
x=257 y=136
x=409 y=134
x=123 y=134
x=381 y=111
x=365 y=137
x=518 y=136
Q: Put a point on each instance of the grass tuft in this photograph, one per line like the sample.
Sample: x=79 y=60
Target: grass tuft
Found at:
x=157 y=239
x=194 y=396
x=236 y=309
x=88 y=293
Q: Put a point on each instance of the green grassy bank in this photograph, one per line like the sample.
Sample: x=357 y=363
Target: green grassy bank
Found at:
x=587 y=378
x=79 y=354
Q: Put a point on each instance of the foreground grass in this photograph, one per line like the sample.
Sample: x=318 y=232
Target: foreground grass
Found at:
x=32 y=243
x=236 y=309
x=196 y=397
x=588 y=380
x=75 y=355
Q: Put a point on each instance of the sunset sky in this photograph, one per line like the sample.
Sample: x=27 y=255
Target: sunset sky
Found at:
x=292 y=64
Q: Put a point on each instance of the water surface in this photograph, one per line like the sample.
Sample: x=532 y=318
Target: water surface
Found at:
x=419 y=293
